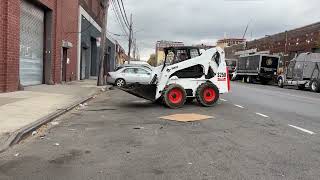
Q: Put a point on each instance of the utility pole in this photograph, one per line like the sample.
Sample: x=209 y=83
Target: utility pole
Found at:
x=134 y=49
x=105 y=7
x=130 y=39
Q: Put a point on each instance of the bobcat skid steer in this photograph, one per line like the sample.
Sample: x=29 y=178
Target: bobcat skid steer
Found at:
x=184 y=76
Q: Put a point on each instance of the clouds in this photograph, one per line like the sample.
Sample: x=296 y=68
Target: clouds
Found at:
x=207 y=20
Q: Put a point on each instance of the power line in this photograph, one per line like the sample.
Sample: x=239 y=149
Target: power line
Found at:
x=124 y=10
x=122 y=14
x=115 y=34
x=116 y=13
x=115 y=10
x=120 y=19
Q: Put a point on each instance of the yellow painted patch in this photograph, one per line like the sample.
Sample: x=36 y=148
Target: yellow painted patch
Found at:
x=186 y=117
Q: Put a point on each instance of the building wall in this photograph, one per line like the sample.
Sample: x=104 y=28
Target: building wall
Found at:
x=286 y=44
x=93 y=7
x=1 y=47
x=230 y=51
x=289 y=43
x=9 y=45
x=67 y=30
x=222 y=43
x=110 y=58
x=89 y=35
x=10 y=39
x=62 y=26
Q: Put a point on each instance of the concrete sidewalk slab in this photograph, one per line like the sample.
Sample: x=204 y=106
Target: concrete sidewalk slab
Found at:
x=22 y=110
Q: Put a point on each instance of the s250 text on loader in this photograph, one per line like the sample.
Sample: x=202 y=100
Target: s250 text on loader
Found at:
x=184 y=76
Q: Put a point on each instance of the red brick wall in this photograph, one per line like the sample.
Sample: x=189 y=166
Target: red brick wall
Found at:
x=93 y=7
x=67 y=30
x=9 y=52
x=298 y=40
x=2 y=29
x=64 y=27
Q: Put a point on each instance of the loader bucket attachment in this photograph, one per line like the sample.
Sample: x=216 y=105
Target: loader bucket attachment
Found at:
x=142 y=91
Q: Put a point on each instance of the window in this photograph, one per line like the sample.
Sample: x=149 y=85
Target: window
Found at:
x=170 y=57
x=182 y=55
x=141 y=71
x=118 y=68
x=194 y=53
x=129 y=71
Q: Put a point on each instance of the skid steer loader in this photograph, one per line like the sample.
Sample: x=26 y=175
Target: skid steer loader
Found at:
x=184 y=76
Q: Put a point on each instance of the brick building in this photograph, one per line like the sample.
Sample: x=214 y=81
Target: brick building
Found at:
x=286 y=44
x=121 y=57
x=48 y=41
x=229 y=42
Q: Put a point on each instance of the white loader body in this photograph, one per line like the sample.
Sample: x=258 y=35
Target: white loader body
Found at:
x=214 y=76
x=220 y=80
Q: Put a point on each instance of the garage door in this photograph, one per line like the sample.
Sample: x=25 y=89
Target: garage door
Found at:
x=31 y=44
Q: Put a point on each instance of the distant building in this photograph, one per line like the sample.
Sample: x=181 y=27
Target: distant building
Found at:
x=204 y=46
x=287 y=44
x=160 y=45
x=230 y=42
x=121 y=56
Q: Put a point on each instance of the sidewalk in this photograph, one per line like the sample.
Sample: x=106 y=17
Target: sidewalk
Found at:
x=21 y=110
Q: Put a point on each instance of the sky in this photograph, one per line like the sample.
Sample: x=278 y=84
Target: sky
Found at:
x=206 y=21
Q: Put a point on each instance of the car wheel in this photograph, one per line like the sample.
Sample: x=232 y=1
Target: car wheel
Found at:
x=315 y=85
x=120 y=82
x=280 y=82
x=207 y=94
x=174 y=96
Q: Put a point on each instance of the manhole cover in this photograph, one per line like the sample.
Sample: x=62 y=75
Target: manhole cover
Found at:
x=186 y=117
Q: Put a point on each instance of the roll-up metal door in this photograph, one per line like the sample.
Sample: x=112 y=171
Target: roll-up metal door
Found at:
x=31 y=44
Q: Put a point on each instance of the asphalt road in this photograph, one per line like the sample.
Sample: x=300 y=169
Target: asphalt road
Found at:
x=256 y=132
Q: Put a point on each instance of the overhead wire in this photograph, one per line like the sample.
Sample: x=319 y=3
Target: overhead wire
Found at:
x=124 y=18
x=116 y=13
x=124 y=10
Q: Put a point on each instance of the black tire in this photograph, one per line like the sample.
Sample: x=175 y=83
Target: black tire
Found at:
x=212 y=96
x=190 y=100
x=315 y=85
x=280 y=82
x=174 y=96
x=120 y=82
x=301 y=87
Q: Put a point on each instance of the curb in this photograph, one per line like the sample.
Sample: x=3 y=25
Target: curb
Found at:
x=18 y=135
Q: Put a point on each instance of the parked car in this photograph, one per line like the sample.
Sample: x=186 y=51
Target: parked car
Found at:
x=135 y=65
x=257 y=67
x=129 y=75
x=303 y=72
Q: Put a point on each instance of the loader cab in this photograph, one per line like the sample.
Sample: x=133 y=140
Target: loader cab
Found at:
x=174 y=55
